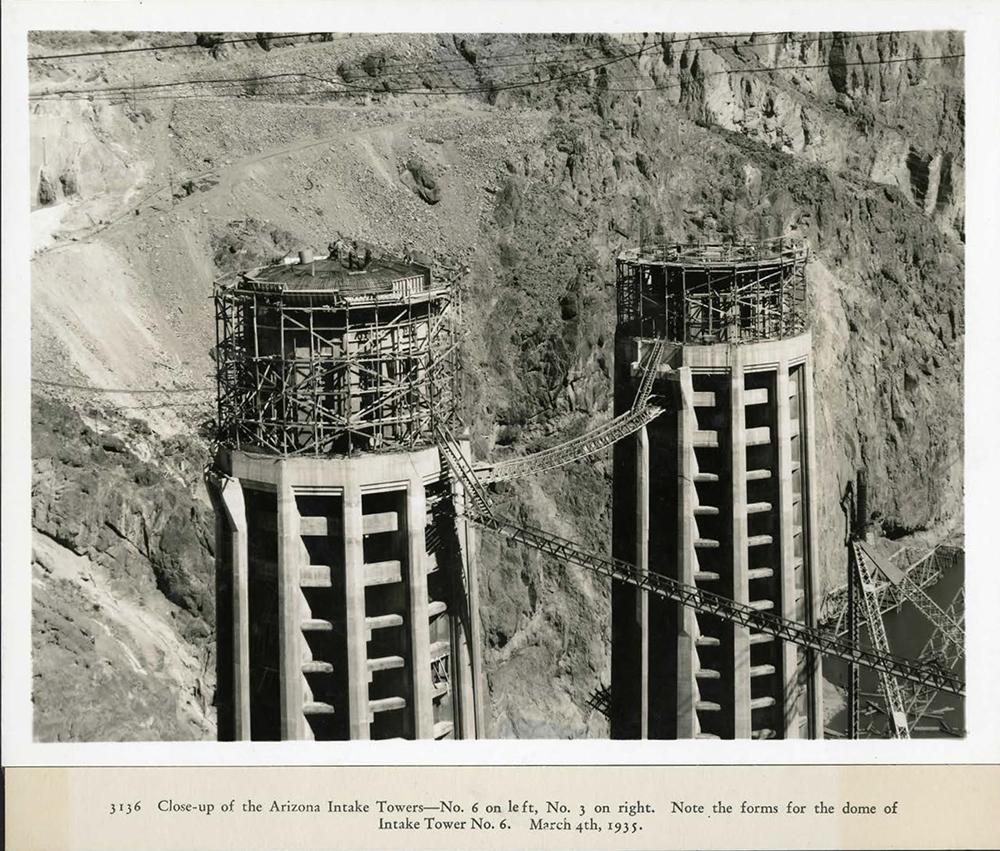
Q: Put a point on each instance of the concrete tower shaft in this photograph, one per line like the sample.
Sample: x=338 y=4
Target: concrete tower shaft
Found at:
x=716 y=492
x=347 y=602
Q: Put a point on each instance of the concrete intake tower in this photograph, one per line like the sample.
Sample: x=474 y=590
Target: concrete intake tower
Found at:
x=347 y=600
x=716 y=492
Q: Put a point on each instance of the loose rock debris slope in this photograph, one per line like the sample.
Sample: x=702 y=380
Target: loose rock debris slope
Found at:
x=144 y=193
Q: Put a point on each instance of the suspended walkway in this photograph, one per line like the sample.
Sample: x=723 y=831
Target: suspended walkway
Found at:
x=639 y=415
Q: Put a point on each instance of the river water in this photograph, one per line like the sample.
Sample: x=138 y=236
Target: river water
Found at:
x=908 y=631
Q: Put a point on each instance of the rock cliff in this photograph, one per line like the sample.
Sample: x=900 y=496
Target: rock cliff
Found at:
x=522 y=194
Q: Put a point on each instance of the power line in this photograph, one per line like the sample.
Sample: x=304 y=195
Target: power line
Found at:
x=420 y=68
x=194 y=80
x=118 y=51
x=538 y=56
x=488 y=65
x=113 y=94
x=491 y=88
x=523 y=84
x=788 y=38
x=235 y=87
x=332 y=36
x=128 y=390
x=339 y=37
x=532 y=83
x=798 y=68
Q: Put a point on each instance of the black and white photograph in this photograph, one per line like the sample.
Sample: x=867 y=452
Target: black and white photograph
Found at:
x=496 y=385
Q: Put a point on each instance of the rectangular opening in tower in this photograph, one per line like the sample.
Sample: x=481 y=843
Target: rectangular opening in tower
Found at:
x=262 y=587
x=387 y=601
x=322 y=582
x=712 y=567
x=447 y=603
x=803 y=681
x=765 y=566
x=664 y=615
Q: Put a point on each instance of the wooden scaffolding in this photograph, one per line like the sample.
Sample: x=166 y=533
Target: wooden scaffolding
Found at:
x=323 y=372
x=706 y=293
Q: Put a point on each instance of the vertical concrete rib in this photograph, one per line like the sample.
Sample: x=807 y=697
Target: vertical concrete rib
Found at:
x=810 y=550
x=289 y=613
x=231 y=492
x=420 y=657
x=467 y=541
x=642 y=563
x=740 y=554
x=354 y=604
x=687 y=719
x=475 y=631
x=462 y=682
x=789 y=667
x=465 y=715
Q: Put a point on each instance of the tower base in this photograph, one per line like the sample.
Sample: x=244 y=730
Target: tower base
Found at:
x=347 y=599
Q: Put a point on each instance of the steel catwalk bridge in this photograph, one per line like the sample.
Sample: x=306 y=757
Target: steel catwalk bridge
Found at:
x=640 y=414
x=479 y=509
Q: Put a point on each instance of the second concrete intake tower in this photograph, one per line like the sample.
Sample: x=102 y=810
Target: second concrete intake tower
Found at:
x=716 y=492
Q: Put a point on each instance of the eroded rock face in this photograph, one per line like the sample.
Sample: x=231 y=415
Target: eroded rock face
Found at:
x=46 y=190
x=123 y=620
x=537 y=189
x=419 y=178
x=840 y=100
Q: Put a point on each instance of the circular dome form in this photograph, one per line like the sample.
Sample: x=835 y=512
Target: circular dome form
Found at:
x=708 y=293
x=315 y=358
x=333 y=280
